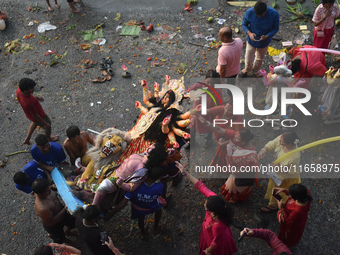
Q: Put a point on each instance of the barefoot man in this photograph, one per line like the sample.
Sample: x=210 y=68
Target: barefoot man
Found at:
x=33 y=110
x=76 y=145
x=52 y=213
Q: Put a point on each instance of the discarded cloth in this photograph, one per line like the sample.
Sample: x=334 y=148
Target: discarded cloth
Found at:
x=45 y=27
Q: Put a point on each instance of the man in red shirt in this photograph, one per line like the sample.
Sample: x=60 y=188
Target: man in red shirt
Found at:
x=33 y=110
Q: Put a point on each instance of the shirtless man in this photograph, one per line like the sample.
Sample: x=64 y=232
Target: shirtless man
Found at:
x=52 y=213
x=76 y=145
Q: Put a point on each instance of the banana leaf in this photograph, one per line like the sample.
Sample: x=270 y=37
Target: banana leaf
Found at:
x=242 y=3
x=290 y=20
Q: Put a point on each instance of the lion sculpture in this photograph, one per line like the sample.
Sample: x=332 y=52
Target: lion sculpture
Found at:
x=109 y=145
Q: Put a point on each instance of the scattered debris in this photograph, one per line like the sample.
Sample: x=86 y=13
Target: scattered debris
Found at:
x=274 y=52
x=242 y=3
x=99 y=41
x=286 y=44
x=117 y=17
x=210 y=38
x=36 y=8
x=45 y=27
x=192 y=2
x=57 y=58
x=3 y=162
x=220 y=21
x=31 y=35
x=298 y=12
x=95 y=33
x=149 y=28
x=71 y=27
x=85 y=46
x=16 y=47
x=50 y=52
x=130 y=30
x=187 y=7
x=88 y=63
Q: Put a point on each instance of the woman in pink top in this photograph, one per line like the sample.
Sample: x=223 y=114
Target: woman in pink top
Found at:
x=216 y=237
x=323 y=20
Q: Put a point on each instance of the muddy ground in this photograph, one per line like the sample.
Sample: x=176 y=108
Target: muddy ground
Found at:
x=177 y=44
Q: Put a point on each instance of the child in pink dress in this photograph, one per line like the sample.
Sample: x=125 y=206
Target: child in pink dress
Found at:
x=323 y=20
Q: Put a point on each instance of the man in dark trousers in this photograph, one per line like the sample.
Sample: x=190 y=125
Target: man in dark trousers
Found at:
x=52 y=213
x=90 y=231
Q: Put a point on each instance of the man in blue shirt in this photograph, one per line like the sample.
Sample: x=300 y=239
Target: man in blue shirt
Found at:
x=260 y=23
x=47 y=154
x=24 y=178
x=146 y=199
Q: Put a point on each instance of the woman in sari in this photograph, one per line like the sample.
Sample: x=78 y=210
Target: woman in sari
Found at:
x=224 y=112
x=240 y=154
x=216 y=237
x=282 y=145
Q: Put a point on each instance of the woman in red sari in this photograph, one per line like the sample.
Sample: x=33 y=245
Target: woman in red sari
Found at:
x=294 y=214
x=224 y=113
x=306 y=64
x=239 y=153
x=216 y=237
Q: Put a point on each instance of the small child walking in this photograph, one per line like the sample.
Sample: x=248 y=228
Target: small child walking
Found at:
x=33 y=110
x=323 y=19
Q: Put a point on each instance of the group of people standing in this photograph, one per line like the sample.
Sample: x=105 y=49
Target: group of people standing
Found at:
x=287 y=196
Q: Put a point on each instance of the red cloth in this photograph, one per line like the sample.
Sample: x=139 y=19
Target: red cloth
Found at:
x=198 y=126
x=295 y=218
x=312 y=63
x=30 y=105
x=272 y=240
x=214 y=232
x=323 y=42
